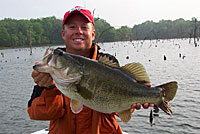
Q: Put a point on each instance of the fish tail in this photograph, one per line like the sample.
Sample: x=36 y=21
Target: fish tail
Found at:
x=168 y=93
x=166 y=107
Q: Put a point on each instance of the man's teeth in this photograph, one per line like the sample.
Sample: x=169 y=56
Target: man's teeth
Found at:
x=77 y=39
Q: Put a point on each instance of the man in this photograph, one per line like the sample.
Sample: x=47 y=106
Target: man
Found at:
x=48 y=103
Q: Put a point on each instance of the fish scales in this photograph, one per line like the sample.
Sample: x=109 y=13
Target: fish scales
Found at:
x=112 y=93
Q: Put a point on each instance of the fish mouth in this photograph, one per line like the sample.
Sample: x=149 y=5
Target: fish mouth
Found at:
x=37 y=66
x=42 y=68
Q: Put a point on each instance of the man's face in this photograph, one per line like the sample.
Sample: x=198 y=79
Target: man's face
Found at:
x=78 y=34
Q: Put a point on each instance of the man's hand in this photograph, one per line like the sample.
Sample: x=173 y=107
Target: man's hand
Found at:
x=42 y=79
x=145 y=105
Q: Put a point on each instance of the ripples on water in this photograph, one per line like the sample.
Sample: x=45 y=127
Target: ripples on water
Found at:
x=182 y=64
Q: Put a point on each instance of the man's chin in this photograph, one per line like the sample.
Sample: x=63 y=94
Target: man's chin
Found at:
x=78 y=47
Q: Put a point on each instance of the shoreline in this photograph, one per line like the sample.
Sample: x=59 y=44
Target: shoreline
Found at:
x=4 y=48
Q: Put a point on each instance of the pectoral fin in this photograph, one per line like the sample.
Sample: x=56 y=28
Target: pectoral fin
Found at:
x=125 y=115
x=76 y=106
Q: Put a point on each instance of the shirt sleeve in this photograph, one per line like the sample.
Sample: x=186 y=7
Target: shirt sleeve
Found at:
x=109 y=124
x=46 y=104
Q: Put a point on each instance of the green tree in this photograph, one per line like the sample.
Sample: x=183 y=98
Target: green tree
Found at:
x=4 y=37
x=47 y=30
x=124 y=34
x=104 y=31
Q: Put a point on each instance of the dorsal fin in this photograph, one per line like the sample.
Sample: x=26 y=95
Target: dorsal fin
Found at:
x=137 y=70
x=108 y=61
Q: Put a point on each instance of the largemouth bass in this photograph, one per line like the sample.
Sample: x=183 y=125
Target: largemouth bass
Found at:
x=103 y=85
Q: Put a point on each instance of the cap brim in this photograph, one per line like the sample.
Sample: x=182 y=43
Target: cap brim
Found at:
x=76 y=12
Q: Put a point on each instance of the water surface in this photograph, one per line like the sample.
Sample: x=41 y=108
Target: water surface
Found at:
x=182 y=64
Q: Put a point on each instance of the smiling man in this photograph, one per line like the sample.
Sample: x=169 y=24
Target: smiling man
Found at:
x=78 y=32
x=48 y=103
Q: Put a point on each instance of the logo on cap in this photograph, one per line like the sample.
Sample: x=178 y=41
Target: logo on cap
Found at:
x=81 y=10
x=76 y=9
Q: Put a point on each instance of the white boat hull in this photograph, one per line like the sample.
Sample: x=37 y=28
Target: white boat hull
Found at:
x=46 y=131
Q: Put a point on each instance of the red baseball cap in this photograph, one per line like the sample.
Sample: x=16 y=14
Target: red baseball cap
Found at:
x=86 y=13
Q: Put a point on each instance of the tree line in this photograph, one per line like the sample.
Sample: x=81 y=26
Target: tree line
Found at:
x=47 y=31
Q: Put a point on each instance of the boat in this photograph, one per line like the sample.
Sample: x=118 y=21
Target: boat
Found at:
x=43 y=131
x=46 y=131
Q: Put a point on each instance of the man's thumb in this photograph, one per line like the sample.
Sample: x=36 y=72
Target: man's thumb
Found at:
x=37 y=62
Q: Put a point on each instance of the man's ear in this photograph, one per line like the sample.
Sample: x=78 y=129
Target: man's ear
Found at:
x=63 y=33
x=93 y=34
x=63 y=29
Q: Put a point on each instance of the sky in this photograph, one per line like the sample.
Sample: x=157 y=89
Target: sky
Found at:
x=116 y=12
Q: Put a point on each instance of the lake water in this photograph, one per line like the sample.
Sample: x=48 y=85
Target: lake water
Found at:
x=182 y=64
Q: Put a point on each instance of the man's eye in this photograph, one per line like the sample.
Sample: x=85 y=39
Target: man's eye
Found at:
x=84 y=27
x=72 y=27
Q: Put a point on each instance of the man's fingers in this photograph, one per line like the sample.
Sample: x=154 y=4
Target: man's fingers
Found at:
x=151 y=105
x=45 y=80
x=42 y=79
x=37 y=62
x=138 y=106
x=35 y=73
x=145 y=105
x=39 y=78
x=133 y=106
x=49 y=82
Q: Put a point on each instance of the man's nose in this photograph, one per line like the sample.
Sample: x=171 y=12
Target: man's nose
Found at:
x=79 y=29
